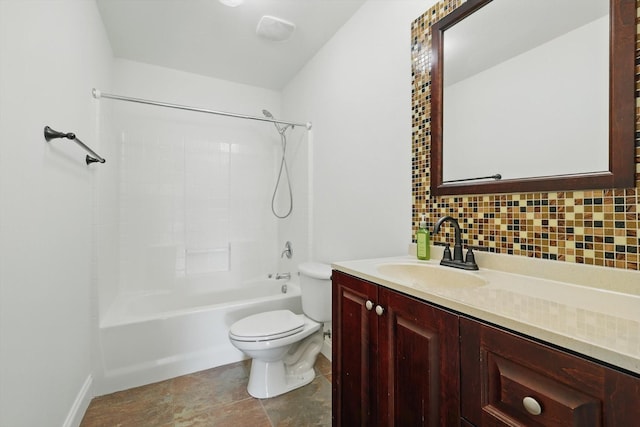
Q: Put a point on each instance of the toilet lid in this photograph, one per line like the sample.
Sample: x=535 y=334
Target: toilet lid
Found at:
x=315 y=270
x=267 y=325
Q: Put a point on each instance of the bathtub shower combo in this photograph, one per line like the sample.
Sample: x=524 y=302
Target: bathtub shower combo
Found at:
x=163 y=327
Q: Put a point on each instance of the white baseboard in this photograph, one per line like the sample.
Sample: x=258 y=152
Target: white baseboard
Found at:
x=80 y=405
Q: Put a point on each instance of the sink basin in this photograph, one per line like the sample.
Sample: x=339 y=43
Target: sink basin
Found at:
x=430 y=277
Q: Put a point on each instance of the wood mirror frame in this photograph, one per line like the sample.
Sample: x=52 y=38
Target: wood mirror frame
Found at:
x=621 y=173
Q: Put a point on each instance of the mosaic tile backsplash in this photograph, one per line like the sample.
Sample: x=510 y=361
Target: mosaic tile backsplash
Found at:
x=599 y=227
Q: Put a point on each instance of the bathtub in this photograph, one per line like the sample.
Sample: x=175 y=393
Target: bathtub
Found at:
x=150 y=337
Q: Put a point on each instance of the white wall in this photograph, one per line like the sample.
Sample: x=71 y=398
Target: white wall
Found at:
x=51 y=55
x=357 y=92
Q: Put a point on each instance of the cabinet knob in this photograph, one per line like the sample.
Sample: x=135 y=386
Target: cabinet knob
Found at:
x=379 y=310
x=369 y=305
x=531 y=405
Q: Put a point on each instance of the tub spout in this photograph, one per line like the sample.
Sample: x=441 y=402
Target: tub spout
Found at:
x=285 y=276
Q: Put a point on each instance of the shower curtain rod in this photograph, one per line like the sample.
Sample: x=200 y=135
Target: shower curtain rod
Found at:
x=99 y=94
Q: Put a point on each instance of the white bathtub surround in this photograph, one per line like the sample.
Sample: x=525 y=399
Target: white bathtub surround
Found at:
x=152 y=336
x=296 y=227
x=587 y=309
x=194 y=189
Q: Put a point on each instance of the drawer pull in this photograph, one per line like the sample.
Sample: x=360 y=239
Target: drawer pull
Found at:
x=531 y=405
x=379 y=310
x=369 y=305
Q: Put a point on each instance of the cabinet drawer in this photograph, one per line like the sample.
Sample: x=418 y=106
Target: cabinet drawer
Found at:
x=518 y=394
x=508 y=380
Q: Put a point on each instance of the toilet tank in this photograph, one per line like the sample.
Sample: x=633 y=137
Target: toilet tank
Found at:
x=315 y=287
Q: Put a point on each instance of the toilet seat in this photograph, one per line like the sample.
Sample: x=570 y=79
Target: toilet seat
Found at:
x=267 y=326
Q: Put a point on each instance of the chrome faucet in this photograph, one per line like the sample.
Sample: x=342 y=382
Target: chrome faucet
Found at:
x=469 y=263
x=280 y=276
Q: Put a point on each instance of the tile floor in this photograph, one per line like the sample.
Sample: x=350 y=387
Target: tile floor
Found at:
x=215 y=397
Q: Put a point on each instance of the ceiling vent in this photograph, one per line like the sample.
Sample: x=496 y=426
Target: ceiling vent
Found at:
x=275 y=29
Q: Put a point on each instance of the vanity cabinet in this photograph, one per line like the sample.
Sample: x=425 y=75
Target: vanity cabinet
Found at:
x=395 y=358
x=400 y=361
x=508 y=380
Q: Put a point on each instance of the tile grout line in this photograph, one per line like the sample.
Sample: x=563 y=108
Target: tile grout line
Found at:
x=266 y=413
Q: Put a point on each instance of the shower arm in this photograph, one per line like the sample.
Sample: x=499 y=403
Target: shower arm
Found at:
x=98 y=94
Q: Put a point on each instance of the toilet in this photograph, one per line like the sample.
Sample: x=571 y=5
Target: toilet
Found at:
x=284 y=345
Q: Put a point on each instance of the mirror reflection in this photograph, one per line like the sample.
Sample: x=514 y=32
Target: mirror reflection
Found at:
x=560 y=92
x=526 y=90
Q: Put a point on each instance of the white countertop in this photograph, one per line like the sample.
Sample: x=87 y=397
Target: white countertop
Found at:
x=591 y=310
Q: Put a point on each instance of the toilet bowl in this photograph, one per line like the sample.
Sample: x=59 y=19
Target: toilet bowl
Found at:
x=284 y=345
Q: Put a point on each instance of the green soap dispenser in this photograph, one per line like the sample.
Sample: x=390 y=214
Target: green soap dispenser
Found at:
x=424 y=246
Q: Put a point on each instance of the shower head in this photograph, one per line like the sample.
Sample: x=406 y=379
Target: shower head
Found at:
x=280 y=129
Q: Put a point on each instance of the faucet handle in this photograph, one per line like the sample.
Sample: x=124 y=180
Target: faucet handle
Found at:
x=446 y=255
x=470 y=258
x=288 y=250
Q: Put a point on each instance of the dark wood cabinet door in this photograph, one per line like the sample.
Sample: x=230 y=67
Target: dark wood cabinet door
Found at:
x=509 y=380
x=419 y=374
x=354 y=351
x=399 y=361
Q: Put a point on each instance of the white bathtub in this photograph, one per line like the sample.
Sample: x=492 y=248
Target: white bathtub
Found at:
x=151 y=337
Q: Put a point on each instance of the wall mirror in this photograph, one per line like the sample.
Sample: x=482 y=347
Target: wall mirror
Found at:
x=533 y=95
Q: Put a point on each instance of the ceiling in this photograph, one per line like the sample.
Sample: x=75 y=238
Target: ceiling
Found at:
x=208 y=38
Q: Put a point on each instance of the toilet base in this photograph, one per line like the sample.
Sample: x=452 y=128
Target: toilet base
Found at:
x=294 y=370
x=269 y=379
